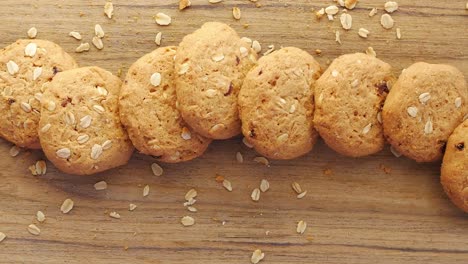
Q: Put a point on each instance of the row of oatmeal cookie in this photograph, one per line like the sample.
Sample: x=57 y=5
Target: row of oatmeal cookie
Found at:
x=176 y=100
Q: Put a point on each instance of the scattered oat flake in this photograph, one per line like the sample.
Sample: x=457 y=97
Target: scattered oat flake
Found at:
x=109 y=9
x=346 y=21
x=214 y=1
x=387 y=21
x=67 y=206
x=264 y=185
x=302 y=195
x=14 y=151
x=32 y=33
x=158 y=38
x=257 y=256
x=192 y=193
x=262 y=160
x=33 y=229
x=76 y=35
x=296 y=187
x=363 y=33
x=187 y=221
x=97 y=42
x=163 y=19
x=337 y=37
x=41 y=167
x=192 y=209
x=370 y=51
x=236 y=12
x=156 y=169
x=184 y=4
x=331 y=10
x=114 y=215
x=2 y=236
x=271 y=48
x=227 y=185
x=102 y=185
x=40 y=216
x=256 y=46
x=255 y=195
x=132 y=207
x=398 y=33
x=82 y=47
x=98 y=31
x=239 y=157
x=146 y=190
x=373 y=12
x=301 y=227
x=391 y=6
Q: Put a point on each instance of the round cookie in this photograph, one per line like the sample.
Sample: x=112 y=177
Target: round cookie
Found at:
x=24 y=67
x=348 y=100
x=423 y=108
x=454 y=175
x=276 y=104
x=80 y=129
x=148 y=110
x=211 y=64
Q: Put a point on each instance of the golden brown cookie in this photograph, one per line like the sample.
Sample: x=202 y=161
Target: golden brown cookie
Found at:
x=454 y=176
x=211 y=64
x=80 y=129
x=276 y=104
x=24 y=67
x=423 y=108
x=148 y=110
x=348 y=100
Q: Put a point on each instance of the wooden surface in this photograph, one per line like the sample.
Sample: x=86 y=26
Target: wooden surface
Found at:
x=358 y=214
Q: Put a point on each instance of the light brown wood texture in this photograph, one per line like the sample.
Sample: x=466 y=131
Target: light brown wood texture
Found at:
x=358 y=214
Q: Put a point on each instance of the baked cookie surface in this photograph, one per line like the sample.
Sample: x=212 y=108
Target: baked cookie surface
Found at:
x=211 y=64
x=147 y=108
x=454 y=176
x=80 y=129
x=423 y=108
x=276 y=104
x=348 y=98
x=24 y=67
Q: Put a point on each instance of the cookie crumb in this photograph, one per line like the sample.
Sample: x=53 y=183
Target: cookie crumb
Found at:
x=337 y=37
x=257 y=256
x=184 y=4
x=371 y=51
x=114 y=215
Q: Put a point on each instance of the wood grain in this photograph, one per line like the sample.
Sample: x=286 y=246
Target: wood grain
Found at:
x=358 y=214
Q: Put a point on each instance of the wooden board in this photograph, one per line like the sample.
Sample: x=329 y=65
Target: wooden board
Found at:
x=357 y=214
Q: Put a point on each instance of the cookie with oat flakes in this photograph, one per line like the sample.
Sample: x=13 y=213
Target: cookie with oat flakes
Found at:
x=24 y=67
x=425 y=105
x=454 y=174
x=80 y=129
x=210 y=65
x=148 y=110
x=276 y=104
x=348 y=100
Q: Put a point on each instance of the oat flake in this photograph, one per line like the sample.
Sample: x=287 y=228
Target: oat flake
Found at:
x=301 y=227
x=67 y=206
x=264 y=185
x=257 y=256
x=146 y=190
x=33 y=229
x=99 y=186
x=187 y=221
x=227 y=185
x=255 y=195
